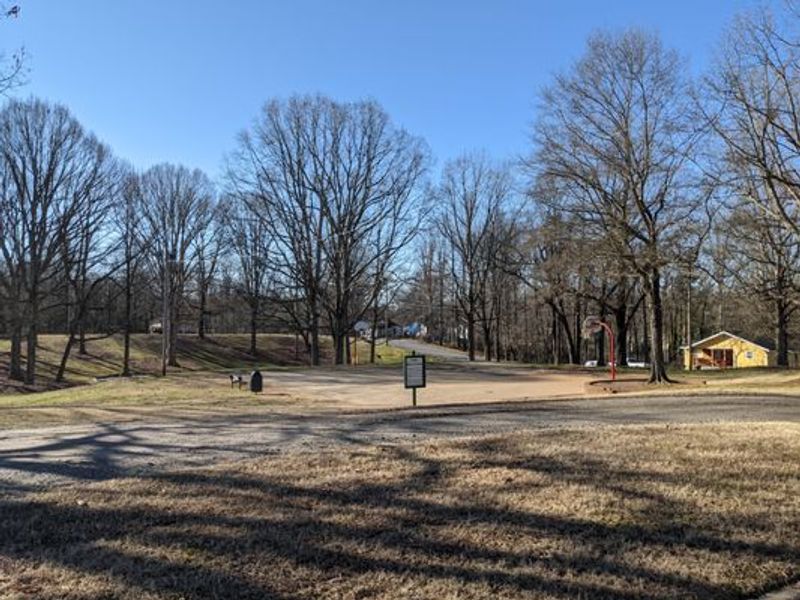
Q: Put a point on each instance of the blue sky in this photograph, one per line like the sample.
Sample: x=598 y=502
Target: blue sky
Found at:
x=175 y=80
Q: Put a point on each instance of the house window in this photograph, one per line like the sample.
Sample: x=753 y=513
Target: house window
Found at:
x=749 y=355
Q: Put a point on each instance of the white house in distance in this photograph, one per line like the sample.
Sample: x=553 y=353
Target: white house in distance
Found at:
x=363 y=329
x=415 y=330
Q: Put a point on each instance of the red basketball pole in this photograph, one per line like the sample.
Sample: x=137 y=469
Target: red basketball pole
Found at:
x=613 y=358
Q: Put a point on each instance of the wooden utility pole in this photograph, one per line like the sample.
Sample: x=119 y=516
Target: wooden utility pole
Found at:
x=689 y=319
x=166 y=312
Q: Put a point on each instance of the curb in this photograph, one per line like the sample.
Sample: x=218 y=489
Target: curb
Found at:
x=790 y=592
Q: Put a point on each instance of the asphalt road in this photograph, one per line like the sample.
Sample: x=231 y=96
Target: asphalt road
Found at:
x=38 y=458
x=448 y=354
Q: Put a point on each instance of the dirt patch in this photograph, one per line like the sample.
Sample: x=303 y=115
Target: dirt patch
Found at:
x=646 y=512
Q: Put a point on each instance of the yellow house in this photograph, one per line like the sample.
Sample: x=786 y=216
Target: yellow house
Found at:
x=724 y=350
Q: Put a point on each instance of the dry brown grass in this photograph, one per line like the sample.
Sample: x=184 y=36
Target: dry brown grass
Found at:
x=223 y=352
x=637 y=512
x=104 y=357
x=773 y=381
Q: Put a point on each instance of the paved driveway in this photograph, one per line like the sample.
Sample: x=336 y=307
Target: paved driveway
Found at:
x=443 y=352
x=43 y=457
x=448 y=382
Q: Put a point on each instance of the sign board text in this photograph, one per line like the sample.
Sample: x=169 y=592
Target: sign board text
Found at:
x=414 y=371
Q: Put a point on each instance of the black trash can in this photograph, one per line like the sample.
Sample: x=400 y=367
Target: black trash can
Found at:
x=256 y=381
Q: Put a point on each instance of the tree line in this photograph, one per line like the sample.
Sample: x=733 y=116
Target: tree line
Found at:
x=319 y=202
x=663 y=202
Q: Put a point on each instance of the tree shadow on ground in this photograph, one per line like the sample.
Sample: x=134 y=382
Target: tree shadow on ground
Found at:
x=341 y=525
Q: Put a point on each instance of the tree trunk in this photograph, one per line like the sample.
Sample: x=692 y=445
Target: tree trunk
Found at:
x=314 y=334
x=782 y=333
x=373 y=327
x=62 y=367
x=339 y=336
x=82 y=337
x=471 y=336
x=166 y=314
x=456 y=324
x=498 y=349
x=575 y=340
x=30 y=365
x=201 y=321
x=441 y=331
x=126 y=335
x=338 y=348
x=15 y=363
x=689 y=345
x=487 y=341
x=526 y=327
x=32 y=338
x=126 y=352
x=645 y=333
x=76 y=329
x=172 y=355
x=573 y=354
x=554 y=334
x=600 y=346
x=658 y=370
x=253 y=329
x=621 y=342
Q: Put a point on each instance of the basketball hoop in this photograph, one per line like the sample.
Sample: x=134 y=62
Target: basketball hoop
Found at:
x=593 y=325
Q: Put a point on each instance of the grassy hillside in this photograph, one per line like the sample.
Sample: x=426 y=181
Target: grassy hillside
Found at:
x=215 y=353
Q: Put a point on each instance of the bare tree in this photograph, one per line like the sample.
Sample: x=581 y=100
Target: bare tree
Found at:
x=367 y=173
x=85 y=247
x=761 y=256
x=471 y=197
x=556 y=278
x=176 y=208
x=502 y=273
x=755 y=112
x=133 y=247
x=12 y=280
x=613 y=146
x=608 y=286
x=251 y=242
x=209 y=248
x=45 y=160
x=269 y=171
x=339 y=183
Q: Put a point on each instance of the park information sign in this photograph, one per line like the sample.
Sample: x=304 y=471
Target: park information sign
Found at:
x=414 y=374
x=414 y=371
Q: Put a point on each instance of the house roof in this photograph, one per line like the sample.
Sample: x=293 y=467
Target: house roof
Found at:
x=729 y=334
